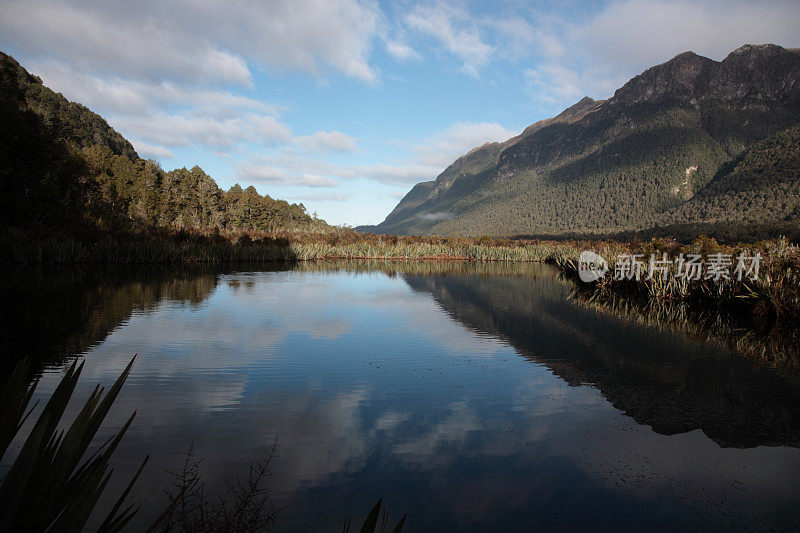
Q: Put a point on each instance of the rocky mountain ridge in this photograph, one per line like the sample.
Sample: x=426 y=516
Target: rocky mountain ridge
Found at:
x=616 y=165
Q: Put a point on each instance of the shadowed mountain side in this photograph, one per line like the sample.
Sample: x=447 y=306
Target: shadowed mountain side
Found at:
x=658 y=378
x=63 y=167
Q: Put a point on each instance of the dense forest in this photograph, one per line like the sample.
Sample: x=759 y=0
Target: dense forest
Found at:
x=764 y=181
x=61 y=165
x=692 y=143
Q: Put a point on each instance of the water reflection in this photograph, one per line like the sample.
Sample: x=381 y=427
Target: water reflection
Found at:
x=763 y=341
x=652 y=375
x=53 y=312
x=454 y=391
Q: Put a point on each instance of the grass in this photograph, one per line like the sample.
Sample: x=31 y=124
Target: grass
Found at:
x=376 y=522
x=776 y=292
x=775 y=344
x=48 y=487
x=185 y=247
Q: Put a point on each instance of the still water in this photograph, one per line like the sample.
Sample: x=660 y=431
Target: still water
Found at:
x=470 y=397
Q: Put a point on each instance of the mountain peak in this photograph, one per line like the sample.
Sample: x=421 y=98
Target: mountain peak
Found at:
x=579 y=106
x=684 y=57
x=618 y=165
x=571 y=114
x=755 y=56
x=757 y=49
x=677 y=77
x=768 y=70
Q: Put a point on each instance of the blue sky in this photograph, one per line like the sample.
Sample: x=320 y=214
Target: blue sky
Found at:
x=344 y=105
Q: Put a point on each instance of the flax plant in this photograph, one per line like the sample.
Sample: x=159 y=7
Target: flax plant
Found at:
x=48 y=486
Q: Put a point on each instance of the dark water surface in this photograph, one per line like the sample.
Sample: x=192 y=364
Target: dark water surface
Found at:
x=471 y=397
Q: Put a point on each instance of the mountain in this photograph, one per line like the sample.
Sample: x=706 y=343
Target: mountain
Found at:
x=663 y=151
x=63 y=166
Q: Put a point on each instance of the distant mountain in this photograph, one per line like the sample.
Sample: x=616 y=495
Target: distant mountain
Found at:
x=61 y=165
x=682 y=143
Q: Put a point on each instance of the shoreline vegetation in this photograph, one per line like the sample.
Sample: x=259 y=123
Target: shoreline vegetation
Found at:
x=775 y=294
x=766 y=343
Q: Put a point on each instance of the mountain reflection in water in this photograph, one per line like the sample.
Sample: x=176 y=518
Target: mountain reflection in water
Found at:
x=665 y=384
x=470 y=396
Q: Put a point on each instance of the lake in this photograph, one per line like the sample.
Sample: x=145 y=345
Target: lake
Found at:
x=469 y=396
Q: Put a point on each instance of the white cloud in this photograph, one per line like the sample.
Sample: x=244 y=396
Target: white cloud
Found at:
x=399 y=174
x=401 y=51
x=255 y=173
x=124 y=96
x=456 y=30
x=170 y=114
x=326 y=140
x=425 y=161
x=151 y=151
x=444 y=147
x=553 y=83
x=479 y=40
x=106 y=37
x=520 y=38
x=646 y=32
x=171 y=40
x=435 y=153
x=101 y=95
x=439 y=215
x=398 y=195
x=321 y=197
x=186 y=129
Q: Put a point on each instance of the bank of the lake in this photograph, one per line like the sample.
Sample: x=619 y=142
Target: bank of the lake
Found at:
x=773 y=294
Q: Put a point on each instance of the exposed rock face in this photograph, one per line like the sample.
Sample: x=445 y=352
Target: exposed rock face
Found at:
x=679 y=78
x=605 y=166
x=755 y=73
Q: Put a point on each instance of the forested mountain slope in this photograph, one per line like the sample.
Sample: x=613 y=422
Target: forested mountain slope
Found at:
x=62 y=165
x=762 y=182
x=636 y=160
